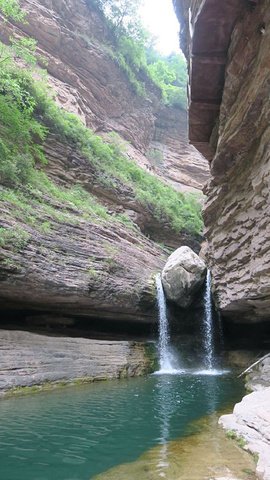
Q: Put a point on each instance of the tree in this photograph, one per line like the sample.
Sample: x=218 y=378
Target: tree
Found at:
x=135 y=51
x=178 y=64
x=122 y=13
x=170 y=74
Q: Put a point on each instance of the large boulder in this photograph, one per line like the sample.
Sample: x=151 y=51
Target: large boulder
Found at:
x=182 y=276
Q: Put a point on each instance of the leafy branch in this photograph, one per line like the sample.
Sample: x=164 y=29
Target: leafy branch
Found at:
x=11 y=9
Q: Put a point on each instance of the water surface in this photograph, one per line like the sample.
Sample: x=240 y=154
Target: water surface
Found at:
x=79 y=432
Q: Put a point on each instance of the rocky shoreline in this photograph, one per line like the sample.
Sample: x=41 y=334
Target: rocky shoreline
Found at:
x=251 y=418
x=30 y=360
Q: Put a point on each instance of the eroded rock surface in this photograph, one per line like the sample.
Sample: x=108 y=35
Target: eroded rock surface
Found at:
x=251 y=420
x=182 y=276
x=70 y=264
x=28 y=359
x=78 y=266
x=77 y=44
x=236 y=213
x=259 y=377
x=251 y=417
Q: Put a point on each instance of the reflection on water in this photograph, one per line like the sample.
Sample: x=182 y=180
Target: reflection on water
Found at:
x=166 y=407
x=207 y=454
x=77 y=433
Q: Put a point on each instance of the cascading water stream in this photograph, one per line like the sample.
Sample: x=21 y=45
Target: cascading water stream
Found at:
x=166 y=360
x=208 y=325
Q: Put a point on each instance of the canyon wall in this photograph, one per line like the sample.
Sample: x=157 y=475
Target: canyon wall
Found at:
x=89 y=81
x=227 y=44
x=59 y=262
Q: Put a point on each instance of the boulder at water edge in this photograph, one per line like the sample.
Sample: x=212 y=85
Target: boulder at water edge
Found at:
x=182 y=276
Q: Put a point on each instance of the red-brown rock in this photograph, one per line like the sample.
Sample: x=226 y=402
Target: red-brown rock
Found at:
x=236 y=213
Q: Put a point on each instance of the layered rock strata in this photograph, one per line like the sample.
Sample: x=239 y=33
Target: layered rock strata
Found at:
x=74 y=265
x=61 y=261
x=67 y=167
x=28 y=359
x=86 y=76
x=236 y=213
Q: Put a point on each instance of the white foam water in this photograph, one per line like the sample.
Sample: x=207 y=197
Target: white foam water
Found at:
x=208 y=325
x=167 y=361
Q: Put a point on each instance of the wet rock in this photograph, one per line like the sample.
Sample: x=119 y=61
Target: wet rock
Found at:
x=182 y=276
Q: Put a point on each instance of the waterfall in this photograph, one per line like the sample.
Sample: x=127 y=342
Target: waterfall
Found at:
x=166 y=360
x=208 y=324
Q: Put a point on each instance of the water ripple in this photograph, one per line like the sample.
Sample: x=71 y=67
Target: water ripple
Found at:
x=78 y=433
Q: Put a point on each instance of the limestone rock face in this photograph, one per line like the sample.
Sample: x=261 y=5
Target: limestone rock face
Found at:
x=81 y=266
x=182 y=276
x=251 y=420
x=29 y=359
x=236 y=137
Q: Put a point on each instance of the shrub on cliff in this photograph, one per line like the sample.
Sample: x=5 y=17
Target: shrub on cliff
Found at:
x=11 y=9
x=134 y=52
x=27 y=114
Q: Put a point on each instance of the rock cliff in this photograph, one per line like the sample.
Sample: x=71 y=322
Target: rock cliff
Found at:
x=89 y=82
x=57 y=260
x=28 y=360
x=227 y=45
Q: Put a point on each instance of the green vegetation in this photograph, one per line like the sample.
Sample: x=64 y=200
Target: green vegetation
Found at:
x=151 y=357
x=47 y=386
x=256 y=458
x=135 y=53
x=233 y=435
x=17 y=238
x=28 y=112
x=35 y=206
x=11 y=9
x=170 y=74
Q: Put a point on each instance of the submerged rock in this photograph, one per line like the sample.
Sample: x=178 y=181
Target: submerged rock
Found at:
x=182 y=276
x=208 y=454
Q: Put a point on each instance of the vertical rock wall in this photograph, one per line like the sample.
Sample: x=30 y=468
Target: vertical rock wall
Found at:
x=237 y=209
